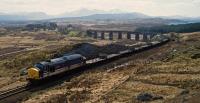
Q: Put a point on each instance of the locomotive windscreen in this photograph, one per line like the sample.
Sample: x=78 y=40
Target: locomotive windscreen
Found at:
x=39 y=66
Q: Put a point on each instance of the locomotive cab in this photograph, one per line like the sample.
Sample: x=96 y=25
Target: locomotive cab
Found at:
x=35 y=73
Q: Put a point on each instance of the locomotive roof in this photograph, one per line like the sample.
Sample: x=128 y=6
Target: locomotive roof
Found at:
x=57 y=59
x=61 y=59
x=44 y=63
x=71 y=57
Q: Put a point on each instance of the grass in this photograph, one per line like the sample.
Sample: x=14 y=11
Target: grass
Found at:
x=37 y=46
x=41 y=45
x=166 y=72
x=176 y=71
x=13 y=65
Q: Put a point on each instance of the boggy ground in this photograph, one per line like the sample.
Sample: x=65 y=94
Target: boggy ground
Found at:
x=170 y=72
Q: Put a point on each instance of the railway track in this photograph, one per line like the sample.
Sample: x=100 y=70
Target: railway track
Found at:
x=14 y=91
x=24 y=88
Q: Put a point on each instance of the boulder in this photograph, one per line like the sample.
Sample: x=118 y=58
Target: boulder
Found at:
x=147 y=97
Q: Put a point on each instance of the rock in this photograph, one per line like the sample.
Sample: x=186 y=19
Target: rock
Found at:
x=196 y=56
x=148 y=97
x=185 y=92
x=157 y=97
x=144 y=97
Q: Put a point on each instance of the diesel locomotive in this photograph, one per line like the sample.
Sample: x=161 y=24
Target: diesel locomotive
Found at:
x=55 y=66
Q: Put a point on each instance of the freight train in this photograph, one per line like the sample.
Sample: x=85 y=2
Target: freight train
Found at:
x=62 y=64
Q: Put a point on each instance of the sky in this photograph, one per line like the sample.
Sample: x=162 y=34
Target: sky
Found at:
x=188 y=8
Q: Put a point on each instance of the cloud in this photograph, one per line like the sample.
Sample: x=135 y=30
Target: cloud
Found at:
x=150 y=7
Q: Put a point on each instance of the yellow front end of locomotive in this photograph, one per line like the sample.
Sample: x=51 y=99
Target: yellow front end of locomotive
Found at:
x=33 y=73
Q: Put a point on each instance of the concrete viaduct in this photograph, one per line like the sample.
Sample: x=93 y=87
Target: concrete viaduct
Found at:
x=101 y=34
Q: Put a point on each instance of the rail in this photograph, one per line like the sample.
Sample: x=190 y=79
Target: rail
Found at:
x=13 y=91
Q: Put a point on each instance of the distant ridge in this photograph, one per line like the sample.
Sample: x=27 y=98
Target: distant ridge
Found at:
x=23 y=16
x=121 y=16
x=86 y=14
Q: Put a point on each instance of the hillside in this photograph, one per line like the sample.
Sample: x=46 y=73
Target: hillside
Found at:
x=23 y=16
x=127 y=18
x=166 y=74
x=85 y=15
x=181 y=28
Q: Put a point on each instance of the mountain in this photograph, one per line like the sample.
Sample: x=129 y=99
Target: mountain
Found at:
x=82 y=13
x=114 y=15
x=35 y=15
x=87 y=12
x=183 y=18
x=104 y=16
x=121 y=16
x=23 y=16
